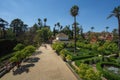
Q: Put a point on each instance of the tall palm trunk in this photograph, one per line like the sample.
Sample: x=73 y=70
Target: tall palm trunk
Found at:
x=45 y=24
x=75 y=35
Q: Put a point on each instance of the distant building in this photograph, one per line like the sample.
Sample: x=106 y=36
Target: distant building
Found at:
x=61 y=37
x=106 y=37
x=93 y=39
x=109 y=37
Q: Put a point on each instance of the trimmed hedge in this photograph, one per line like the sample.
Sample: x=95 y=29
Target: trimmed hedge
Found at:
x=106 y=74
x=81 y=57
x=92 y=60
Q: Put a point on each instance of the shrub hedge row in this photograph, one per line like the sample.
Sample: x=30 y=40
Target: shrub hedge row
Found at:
x=92 y=60
x=81 y=57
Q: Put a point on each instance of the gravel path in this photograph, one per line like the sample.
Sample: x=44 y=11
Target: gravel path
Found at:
x=47 y=66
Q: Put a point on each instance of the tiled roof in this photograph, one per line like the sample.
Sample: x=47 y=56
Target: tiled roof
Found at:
x=61 y=35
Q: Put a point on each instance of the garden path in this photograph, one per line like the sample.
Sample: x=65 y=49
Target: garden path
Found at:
x=48 y=67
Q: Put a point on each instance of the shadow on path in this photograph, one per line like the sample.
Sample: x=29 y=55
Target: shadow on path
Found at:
x=32 y=60
x=23 y=68
x=37 y=53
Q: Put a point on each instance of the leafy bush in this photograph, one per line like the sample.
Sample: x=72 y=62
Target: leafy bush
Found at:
x=58 y=46
x=27 y=51
x=87 y=73
x=108 y=48
x=80 y=44
x=19 y=47
x=24 y=53
x=68 y=57
x=70 y=45
x=17 y=57
x=64 y=52
x=92 y=75
x=94 y=46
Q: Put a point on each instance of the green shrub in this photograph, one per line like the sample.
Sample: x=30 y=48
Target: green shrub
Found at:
x=17 y=57
x=70 y=45
x=68 y=57
x=94 y=46
x=19 y=47
x=92 y=75
x=78 y=62
x=87 y=73
x=24 y=53
x=28 y=51
x=58 y=46
x=63 y=53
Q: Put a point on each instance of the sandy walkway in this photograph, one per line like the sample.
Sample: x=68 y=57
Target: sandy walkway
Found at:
x=49 y=67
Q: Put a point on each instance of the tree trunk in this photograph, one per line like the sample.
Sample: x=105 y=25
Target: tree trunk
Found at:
x=75 y=35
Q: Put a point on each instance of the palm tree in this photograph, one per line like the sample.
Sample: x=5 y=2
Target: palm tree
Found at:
x=61 y=28
x=74 y=12
x=54 y=30
x=45 y=20
x=116 y=13
x=40 y=23
x=92 y=28
x=107 y=28
x=58 y=24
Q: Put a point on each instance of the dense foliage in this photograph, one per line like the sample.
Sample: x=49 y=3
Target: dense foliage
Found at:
x=22 y=52
x=87 y=73
x=58 y=46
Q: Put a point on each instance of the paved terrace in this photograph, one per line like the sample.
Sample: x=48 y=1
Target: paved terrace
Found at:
x=45 y=65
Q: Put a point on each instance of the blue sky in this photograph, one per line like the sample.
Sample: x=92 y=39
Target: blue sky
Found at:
x=91 y=12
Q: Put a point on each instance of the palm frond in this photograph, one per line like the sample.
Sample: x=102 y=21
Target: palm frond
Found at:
x=110 y=16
